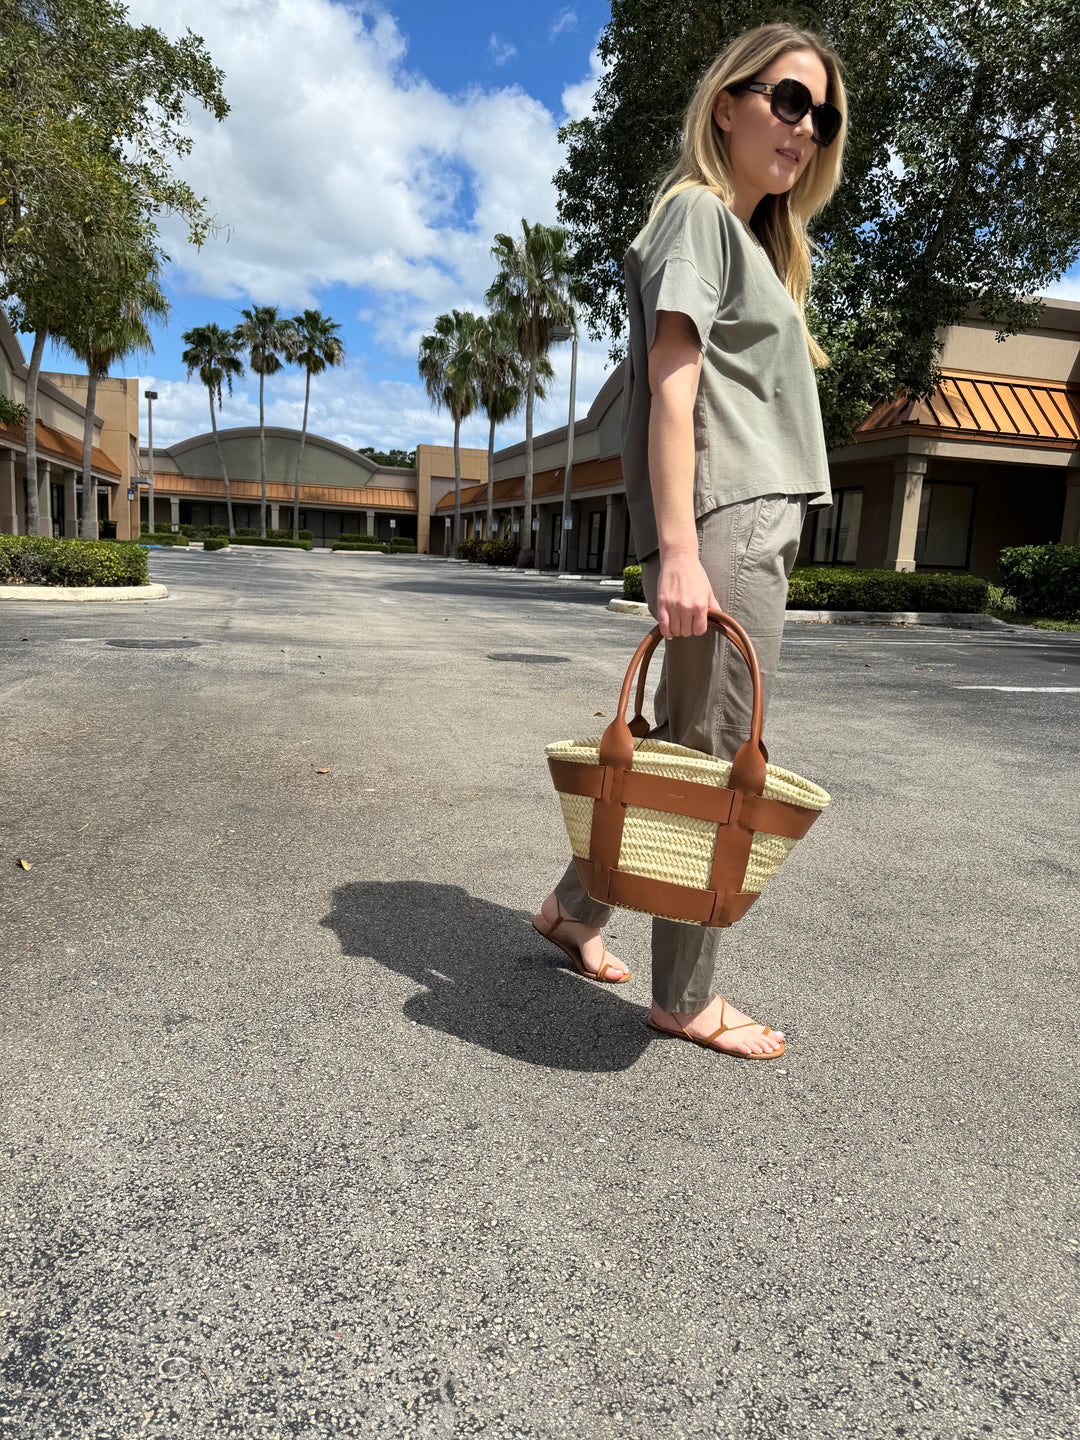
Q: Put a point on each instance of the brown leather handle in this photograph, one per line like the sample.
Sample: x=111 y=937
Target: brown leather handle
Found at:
x=617 y=742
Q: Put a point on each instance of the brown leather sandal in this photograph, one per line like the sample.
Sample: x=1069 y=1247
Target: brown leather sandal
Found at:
x=574 y=952
x=706 y=1044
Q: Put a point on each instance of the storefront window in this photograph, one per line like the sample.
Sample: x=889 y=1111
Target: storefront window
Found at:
x=597 y=522
x=834 y=538
x=946 y=512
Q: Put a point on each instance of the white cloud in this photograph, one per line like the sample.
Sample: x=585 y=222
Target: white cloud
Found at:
x=500 y=51
x=565 y=20
x=1067 y=288
x=340 y=166
x=577 y=99
x=355 y=171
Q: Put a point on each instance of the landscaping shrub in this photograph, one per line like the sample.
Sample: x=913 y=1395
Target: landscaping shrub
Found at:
x=631 y=583
x=29 y=560
x=499 y=552
x=822 y=588
x=286 y=534
x=1044 y=580
x=359 y=539
x=242 y=538
x=162 y=537
x=215 y=542
x=471 y=550
x=213 y=532
x=396 y=547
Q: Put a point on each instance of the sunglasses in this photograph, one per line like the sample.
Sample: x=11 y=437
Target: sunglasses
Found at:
x=789 y=101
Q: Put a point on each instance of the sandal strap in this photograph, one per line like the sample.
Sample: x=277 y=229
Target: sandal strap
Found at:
x=723 y=1029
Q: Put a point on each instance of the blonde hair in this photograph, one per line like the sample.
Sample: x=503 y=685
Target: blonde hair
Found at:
x=779 y=221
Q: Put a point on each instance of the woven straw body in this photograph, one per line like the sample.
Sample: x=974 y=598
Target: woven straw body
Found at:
x=679 y=848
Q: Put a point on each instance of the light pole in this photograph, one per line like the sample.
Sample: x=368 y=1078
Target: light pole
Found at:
x=565 y=332
x=151 y=396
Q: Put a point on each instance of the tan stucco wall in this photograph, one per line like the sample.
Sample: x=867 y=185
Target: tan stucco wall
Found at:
x=1053 y=355
x=116 y=405
x=437 y=461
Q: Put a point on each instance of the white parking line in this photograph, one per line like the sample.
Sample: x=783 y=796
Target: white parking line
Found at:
x=1028 y=689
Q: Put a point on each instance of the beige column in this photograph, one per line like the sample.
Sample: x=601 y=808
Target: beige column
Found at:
x=71 y=511
x=909 y=472
x=1070 y=521
x=9 y=504
x=275 y=516
x=44 y=484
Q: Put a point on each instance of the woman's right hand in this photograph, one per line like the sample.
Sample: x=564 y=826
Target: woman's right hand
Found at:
x=684 y=597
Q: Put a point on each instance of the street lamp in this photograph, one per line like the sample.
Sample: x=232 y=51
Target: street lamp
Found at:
x=566 y=332
x=151 y=396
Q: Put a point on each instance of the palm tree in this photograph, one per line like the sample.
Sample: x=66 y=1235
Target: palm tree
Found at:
x=319 y=345
x=500 y=382
x=111 y=335
x=212 y=351
x=533 y=289
x=268 y=337
x=447 y=365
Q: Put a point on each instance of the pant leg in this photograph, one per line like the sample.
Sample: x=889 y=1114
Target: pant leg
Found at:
x=577 y=904
x=704 y=696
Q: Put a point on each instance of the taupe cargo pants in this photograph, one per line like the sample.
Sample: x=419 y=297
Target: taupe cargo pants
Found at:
x=703 y=700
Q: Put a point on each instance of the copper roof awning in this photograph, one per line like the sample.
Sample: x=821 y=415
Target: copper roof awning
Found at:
x=1000 y=408
x=55 y=445
x=212 y=487
x=547 y=484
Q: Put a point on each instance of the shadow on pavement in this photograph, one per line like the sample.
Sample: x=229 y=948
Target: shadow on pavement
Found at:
x=488 y=977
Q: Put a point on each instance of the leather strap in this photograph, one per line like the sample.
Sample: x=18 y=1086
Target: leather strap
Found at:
x=661 y=897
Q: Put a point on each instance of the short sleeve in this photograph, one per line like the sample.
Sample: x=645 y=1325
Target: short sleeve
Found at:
x=677 y=285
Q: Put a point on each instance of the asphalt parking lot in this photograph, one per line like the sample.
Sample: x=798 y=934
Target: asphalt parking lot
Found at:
x=308 y=1134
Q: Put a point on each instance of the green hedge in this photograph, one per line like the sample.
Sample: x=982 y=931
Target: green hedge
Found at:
x=359 y=540
x=239 y=539
x=33 y=561
x=286 y=534
x=162 y=537
x=396 y=547
x=489 y=552
x=1044 y=580
x=821 y=588
x=215 y=542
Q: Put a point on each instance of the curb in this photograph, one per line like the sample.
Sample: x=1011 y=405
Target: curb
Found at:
x=83 y=592
x=854 y=617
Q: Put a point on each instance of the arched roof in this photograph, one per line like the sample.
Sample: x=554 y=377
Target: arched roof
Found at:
x=326 y=462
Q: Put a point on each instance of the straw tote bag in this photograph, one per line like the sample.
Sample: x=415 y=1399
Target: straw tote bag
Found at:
x=671 y=831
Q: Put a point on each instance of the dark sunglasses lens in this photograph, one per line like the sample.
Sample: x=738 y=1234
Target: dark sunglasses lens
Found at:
x=791 y=100
x=826 y=124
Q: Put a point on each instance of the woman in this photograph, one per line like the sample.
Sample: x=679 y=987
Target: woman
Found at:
x=722 y=444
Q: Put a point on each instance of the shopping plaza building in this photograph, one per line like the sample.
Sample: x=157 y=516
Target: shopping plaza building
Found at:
x=991 y=459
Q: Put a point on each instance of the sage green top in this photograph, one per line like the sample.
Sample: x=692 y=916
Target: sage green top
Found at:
x=757 y=419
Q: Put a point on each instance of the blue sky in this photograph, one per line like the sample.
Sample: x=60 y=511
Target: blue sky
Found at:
x=372 y=153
